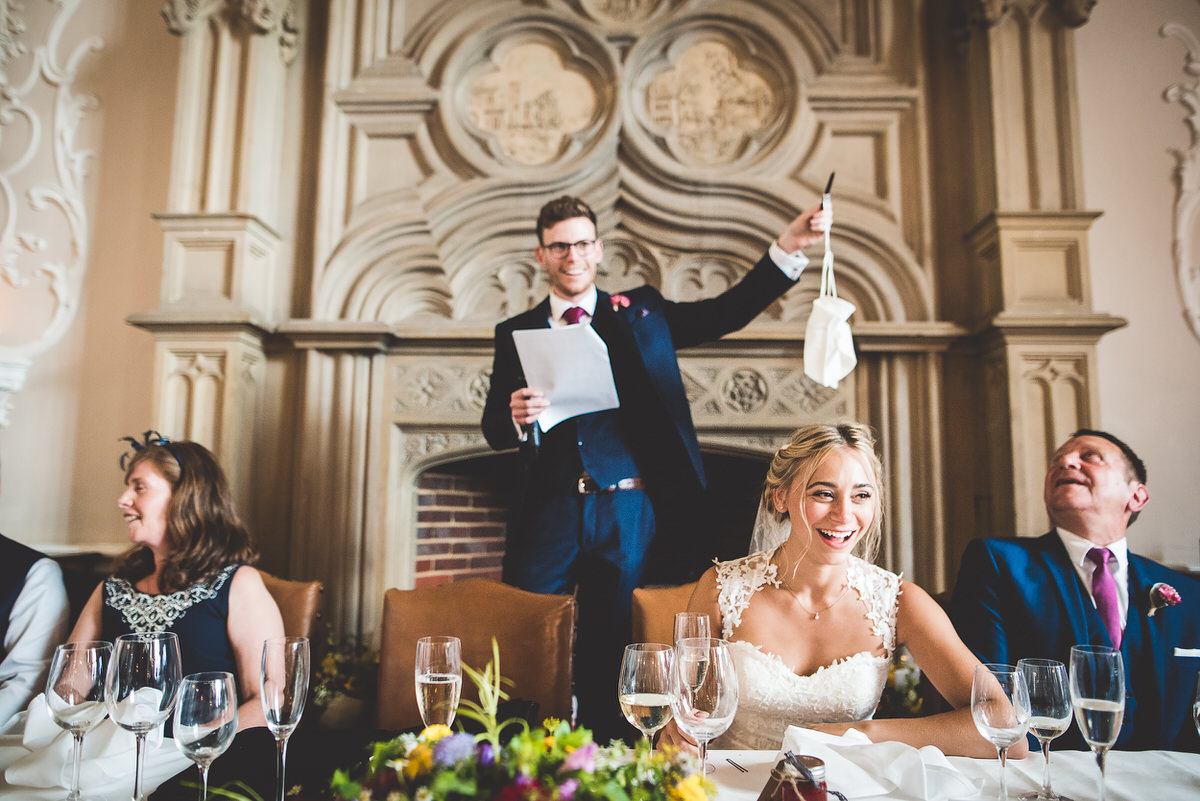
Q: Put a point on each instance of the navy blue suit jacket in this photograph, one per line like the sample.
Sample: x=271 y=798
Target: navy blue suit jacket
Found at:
x=1021 y=597
x=642 y=339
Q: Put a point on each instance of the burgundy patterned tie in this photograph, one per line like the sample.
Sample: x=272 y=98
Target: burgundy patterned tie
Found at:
x=573 y=315
x=1104 y=592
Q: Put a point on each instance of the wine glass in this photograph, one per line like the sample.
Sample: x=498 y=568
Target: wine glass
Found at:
x=644 y=689
x=141 y=688
x=438 y=677
x=75 y=694
x=206 y=719
x=283 y=685
x=1050 y=713
x=1000 y=709
x=691 y=624
x=704 y=690
x=1098 y=694
x=1196 y=704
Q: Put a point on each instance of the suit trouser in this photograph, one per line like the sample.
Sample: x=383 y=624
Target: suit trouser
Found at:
x=595 y=545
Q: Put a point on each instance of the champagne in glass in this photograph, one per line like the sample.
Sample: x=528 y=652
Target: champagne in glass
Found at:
x=1050 y=713
x=75 y=695
x=1000 y=709
x=438 y=675
x=1098 y=694
x=644 y=688
x=691 y=624
x=703 y=711
x=206 y=720
x=141 y=688
x=283 y=685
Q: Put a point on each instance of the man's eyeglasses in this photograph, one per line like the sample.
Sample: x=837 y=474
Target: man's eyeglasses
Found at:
x=559 y=249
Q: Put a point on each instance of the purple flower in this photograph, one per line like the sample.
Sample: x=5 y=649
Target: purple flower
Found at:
x=582 y=758
x=485 y=754
x=453 y=749
x=566 y=790
x=1162 y=595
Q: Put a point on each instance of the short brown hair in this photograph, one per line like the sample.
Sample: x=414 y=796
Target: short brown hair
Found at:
x=204 y=533
x=559 y=209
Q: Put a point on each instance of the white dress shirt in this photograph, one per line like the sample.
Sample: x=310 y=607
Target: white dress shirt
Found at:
x=37 y=624
x=1118 y=565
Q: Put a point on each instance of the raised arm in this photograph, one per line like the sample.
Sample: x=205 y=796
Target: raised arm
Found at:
x=926 y=631
x=257 y=619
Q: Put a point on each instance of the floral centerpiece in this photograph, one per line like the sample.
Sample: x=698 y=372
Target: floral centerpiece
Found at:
x=348 y=669
x=551 y=762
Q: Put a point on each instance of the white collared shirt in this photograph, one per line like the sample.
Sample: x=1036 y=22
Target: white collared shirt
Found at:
x=1077 y=551
x=558 y=306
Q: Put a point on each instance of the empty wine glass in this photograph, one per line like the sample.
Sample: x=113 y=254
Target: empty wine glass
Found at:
x=644 y=688
x=75 y=694
x=141 y=688
x=1049 y=713
x=1098 y=695
x=438 y=669
x=704 y=690
x=1000 y=709
x=206 y=719
x=1196 y=704
x=691 y=624
x=283 y=685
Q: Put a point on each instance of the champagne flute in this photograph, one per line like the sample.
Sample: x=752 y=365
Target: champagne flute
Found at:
x=1000 y=709
x=206 y=720
x=75 y=694
x=644 y=689
x=438 y=670
x=1050 y=713
x=704 y=690
x=1098 y=694
x=141 y=688
x=283 y=685
x=691 y=624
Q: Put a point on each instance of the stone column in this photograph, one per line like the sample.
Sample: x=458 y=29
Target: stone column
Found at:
x=1014 y=256
x=221 y=246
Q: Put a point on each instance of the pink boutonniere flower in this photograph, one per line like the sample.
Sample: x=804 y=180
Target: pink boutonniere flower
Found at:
x=1162 y=595
x=619 y=302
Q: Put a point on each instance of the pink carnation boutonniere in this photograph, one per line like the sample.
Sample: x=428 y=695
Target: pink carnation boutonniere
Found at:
x=619 y=302
x=1162 y=595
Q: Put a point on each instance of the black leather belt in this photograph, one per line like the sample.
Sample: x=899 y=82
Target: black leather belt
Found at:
x=588 y=486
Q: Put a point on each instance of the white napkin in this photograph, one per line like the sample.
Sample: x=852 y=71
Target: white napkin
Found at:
x=862 y=769
x=109 y=752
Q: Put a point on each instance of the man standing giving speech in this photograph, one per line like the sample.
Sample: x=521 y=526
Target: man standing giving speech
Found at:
x=600 y=486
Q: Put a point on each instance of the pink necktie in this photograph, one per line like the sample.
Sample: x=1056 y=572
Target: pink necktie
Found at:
x=573 y=315
x=1104 y=592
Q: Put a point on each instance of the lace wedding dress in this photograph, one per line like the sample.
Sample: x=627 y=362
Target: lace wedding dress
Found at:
x=771 y=695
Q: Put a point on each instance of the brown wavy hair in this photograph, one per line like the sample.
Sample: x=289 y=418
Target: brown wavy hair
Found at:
x=809 y=446
x=204 y=533
x=562 y=208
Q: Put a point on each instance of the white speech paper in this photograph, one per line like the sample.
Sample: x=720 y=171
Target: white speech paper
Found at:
x=570 y=364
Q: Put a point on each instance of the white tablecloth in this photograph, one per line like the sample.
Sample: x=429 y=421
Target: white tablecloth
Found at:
x=1132 y=775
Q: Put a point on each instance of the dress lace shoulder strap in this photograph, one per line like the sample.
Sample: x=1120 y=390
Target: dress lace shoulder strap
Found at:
x=879 y=590
x=737 y=581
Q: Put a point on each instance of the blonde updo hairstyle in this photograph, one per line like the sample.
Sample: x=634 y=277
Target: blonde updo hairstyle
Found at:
x=805 y=451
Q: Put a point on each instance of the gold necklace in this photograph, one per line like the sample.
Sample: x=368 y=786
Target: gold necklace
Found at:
x=817 y=614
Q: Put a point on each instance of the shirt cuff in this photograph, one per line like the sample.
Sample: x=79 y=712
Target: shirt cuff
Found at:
x=791 y=264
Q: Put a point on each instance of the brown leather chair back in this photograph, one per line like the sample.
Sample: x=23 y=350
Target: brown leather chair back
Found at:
x=299 y=603
x=535 y=634
x=654 y=611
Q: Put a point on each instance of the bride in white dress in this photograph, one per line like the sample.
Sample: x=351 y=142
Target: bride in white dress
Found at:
x=812 y=626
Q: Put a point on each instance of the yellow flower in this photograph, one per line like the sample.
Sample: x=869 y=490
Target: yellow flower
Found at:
x=548 y=741
x=431 y=734
x=689 y=789
x=550 y=724
x=419 y=761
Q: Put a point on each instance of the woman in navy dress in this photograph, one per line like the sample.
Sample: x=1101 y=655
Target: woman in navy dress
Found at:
x=189 y=566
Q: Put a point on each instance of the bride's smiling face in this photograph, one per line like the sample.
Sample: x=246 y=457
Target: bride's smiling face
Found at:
x=836 y=507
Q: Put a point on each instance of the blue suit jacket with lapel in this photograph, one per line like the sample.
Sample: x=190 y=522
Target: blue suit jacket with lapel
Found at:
x=1021 y=597
x=642 y=339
